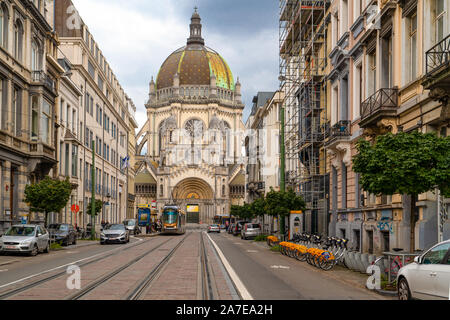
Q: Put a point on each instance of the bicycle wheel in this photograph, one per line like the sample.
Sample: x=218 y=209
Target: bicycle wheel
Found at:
x=308 y=258
x=327 y=264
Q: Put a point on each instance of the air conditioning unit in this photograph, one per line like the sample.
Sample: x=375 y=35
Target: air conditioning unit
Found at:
x=373 y=18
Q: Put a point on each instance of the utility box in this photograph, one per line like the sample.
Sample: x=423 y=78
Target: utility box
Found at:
x=295 y=223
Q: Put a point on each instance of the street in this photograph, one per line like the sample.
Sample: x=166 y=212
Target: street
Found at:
x=194 y=266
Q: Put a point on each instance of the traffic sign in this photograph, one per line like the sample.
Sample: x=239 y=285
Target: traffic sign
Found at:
x=75 y=208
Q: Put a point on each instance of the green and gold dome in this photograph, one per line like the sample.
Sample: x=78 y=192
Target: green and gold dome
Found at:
x=195 y=64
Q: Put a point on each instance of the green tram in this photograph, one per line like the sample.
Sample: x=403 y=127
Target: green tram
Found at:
x=173 y=220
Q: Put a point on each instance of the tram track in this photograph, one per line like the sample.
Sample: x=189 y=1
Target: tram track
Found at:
x=96 y=283
x=208 y=291
x=33 y=284
x=142 y=287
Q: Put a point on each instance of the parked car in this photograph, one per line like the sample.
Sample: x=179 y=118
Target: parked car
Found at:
x=231 y=228
x=250 y=230
x=25 y=238
x=214 y=228
x=238 y=227
x=63 y=233
x=132 y=226
x=428 y=277
x=114 y=233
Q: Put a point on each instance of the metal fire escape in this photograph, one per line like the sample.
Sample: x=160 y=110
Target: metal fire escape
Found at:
x=302 y=35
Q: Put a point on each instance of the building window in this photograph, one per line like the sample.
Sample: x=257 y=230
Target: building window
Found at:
x=17 y=112
x=91 y=69
x=18 y=40
x=66 y=164
x=412 y=47
x=35 y=57
x=372 y=81
x=4 y=22
x=74 y=160
x=34 y=118
x=439 y=21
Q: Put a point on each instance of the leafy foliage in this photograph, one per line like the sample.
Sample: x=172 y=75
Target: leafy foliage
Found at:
x=281 y=203
x=405 y=163
x=48 y=195
x=98 y=207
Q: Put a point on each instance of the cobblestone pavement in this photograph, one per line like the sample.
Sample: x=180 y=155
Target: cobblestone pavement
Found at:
x=179 y=279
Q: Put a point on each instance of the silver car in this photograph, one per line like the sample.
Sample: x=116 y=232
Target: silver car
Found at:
x=214 y=228
x=250 y=230
x=114 y=233
x=25 y=238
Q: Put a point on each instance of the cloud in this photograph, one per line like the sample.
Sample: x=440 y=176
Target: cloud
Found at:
x=136 y=37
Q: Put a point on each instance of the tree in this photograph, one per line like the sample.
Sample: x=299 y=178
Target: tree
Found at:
x=98 y=207
x=49 y=195
x=281 y=203
x=404 y=163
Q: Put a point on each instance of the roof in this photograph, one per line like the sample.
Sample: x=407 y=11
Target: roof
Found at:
x=260 y=100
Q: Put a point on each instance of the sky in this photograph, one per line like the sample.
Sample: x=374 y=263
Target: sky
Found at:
x=136 y=36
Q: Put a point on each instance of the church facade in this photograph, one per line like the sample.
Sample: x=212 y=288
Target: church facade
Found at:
x=189 y=151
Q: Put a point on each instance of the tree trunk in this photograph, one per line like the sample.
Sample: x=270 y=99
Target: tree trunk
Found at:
x=413 y=221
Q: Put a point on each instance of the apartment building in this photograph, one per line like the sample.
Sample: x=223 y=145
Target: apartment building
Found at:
x=29 y=84
x=381 y=80
x=131 y=173
x=103 y=121
x=263 y=149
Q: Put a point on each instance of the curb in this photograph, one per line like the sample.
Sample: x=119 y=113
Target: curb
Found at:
x=386 y=293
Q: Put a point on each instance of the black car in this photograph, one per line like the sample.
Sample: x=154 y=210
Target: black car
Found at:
x=63 y=233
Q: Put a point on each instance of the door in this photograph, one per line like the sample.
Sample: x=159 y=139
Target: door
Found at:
x=193 y=214
x=423 y=279
x=442 y=278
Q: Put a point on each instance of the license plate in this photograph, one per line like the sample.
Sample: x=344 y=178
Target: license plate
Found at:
x=10 y=247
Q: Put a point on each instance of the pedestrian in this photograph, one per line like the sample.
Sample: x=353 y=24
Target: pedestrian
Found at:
x=147 y=228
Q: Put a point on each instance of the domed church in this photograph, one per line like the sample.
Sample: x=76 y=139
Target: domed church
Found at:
x=189 y=151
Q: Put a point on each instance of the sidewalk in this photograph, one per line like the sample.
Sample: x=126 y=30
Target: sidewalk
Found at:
x=339 y=273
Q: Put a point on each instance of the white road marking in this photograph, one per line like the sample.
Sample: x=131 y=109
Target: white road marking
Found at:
x=252 y=251
x=63 y=266
x=4 y=270
x=279 y=267
x=234 y=277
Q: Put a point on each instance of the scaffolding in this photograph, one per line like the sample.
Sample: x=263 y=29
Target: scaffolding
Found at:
x=302 y=36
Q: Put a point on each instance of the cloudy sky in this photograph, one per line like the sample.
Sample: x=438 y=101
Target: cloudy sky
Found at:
x=136 y=36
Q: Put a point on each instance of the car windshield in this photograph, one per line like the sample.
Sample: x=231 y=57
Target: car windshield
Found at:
x=214 y=226
x=129 y=223
x=115 y=227
x=20 y=231
x=253 y=226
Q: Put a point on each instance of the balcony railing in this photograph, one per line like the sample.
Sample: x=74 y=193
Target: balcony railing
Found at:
x=44 y=79
x=438 y=56
x=383 y=100
x=341 y=129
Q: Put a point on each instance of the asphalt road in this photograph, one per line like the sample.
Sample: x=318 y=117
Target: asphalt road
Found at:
x=24 y=267
x=269 y=275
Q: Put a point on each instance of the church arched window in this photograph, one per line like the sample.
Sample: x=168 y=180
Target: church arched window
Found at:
x=194 y=127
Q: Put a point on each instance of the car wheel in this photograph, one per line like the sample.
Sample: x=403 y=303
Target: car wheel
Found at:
x=35 y=251
x=403 y=290
x=102 y=243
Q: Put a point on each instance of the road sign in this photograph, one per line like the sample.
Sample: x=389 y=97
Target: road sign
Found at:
x=154 y=204
x=75 y=208
x=24 y=220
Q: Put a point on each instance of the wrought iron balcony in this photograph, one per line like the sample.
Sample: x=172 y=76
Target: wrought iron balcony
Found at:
x=41 y=78
x=437 y=78
x=382 y=103
x=341 y=129
x=438 y=57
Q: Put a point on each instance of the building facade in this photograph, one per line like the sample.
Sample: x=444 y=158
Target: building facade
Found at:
x=191 y=153
x=103 y=124
x=29 y=84
x=386 y=71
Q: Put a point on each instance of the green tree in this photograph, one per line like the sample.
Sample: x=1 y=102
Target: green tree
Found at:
x=404 y=163
x=98 y=207
x=48 y=195
x=281 y=203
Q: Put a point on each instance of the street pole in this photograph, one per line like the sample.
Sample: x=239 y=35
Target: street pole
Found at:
x=282 y=165
x=93 y=193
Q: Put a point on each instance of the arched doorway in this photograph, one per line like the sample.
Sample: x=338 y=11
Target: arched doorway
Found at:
x=195 y=196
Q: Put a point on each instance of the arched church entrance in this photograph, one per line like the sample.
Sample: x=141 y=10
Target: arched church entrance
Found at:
x=196 y=197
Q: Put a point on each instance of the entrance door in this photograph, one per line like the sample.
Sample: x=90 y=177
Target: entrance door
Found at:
x=192 y=213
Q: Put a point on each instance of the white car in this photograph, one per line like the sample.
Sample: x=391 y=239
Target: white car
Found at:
x=428 y=277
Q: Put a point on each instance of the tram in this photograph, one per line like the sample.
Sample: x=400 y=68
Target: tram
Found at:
x=173 y=220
